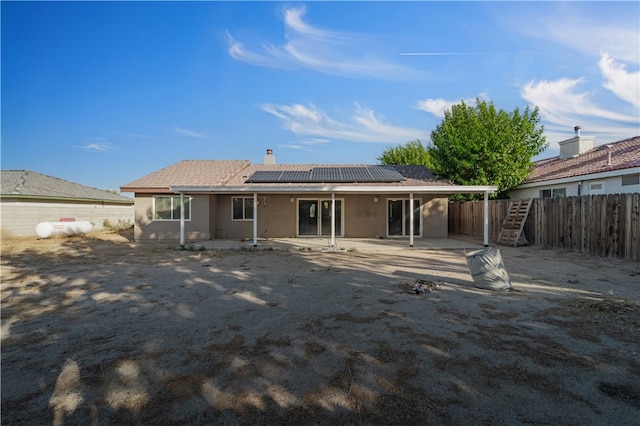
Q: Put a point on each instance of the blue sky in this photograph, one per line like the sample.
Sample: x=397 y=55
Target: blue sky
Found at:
x=101 y=93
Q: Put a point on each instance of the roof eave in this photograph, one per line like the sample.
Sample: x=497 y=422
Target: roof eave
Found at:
x=433 y=189
x=578 y=178
x=53 y=198
x=157 y=190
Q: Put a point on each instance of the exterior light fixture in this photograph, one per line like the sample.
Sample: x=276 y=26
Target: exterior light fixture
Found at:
x=375 y=199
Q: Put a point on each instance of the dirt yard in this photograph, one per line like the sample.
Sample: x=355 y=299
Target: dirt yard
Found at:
x=97 y=330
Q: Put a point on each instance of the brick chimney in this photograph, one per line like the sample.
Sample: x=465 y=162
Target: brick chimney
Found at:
x=576 y=145
x=269 y=158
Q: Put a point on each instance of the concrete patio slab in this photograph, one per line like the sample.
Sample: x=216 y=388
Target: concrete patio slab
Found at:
x=341 y=244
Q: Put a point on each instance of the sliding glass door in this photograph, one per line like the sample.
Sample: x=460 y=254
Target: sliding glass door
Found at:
x=314 y=218
x=398 y=224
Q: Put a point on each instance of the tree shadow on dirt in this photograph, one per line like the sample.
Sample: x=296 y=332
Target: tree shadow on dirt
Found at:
x=106 y=332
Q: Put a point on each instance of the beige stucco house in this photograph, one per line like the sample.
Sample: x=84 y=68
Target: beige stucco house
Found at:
x=196 y=200
x=585 y=169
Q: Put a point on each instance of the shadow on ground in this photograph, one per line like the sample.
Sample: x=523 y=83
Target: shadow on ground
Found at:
x=105 y=331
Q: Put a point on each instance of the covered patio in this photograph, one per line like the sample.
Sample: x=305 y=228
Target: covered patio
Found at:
x=331 y=192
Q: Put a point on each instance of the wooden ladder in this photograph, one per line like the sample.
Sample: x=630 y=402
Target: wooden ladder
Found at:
x=512 y=232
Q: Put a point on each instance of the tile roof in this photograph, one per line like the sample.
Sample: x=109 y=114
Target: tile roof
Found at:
x=26 y=183
x=414 y=175
x=234 y=173
x=625 y=154
x=189 y=173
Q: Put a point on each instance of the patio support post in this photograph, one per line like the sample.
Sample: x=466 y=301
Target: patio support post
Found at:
x=255 y=219
x=333 y=219
x=181 y=219
x=486 y=219
x=411 y=219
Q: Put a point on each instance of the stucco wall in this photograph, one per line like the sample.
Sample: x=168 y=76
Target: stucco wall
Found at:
x=146 y=228
x=213 y=215
x=363 y=217
x=367 y=218
x=516 y=194
x=614 y=186
x=20 y=218
x=276 y=218
x=435 y=211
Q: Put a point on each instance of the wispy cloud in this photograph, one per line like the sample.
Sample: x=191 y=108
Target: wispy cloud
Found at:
x=563 y=103
x=190 y=133
x=320 y=50
x=625 y=85
x=575 y=25
x=363 y=125
x=97 y=145
x=594 y=30
x=567 y=102
x=305 y=145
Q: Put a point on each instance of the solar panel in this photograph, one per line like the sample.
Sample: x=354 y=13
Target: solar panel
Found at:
x=352 y=174
x=385 y=174
x=325 y=174
x=329 y=175
x=264 y=176
x=295 y=176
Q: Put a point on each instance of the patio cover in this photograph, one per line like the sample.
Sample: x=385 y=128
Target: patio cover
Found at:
x=256 y=189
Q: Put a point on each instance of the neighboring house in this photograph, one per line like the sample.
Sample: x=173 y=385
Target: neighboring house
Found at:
x=28 y=198
x=582 y=169
x=238 y=200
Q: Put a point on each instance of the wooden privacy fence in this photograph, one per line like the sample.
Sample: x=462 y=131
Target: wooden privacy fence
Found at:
x=600 y=225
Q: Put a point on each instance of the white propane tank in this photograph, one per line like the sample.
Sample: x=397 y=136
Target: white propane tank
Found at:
x=47 y=229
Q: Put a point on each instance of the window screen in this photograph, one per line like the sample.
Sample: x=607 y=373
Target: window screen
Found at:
x=168 y=208
x=242 y=208
x=630 y=180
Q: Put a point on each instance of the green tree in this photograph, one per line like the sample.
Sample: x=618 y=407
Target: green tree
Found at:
x=413 y=153
x=484 y=146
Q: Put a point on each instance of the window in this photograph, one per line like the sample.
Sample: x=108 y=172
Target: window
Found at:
x=630 y=180
x=596 y=188
x=559 y=192
x=399 y=217
x=168 y=208
x=556 y=192
x=242 y=208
